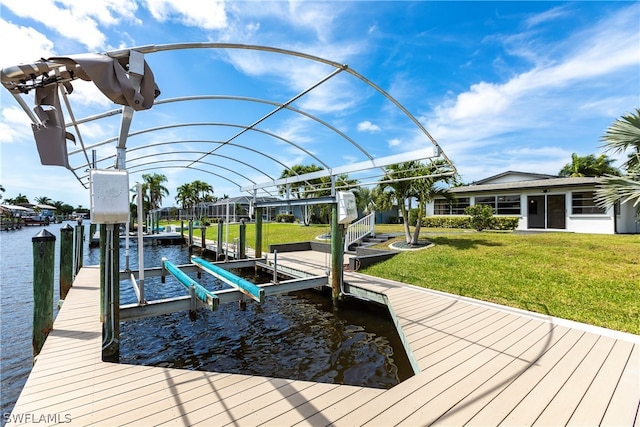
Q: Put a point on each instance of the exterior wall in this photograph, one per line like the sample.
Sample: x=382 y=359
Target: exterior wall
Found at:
x=577 y=223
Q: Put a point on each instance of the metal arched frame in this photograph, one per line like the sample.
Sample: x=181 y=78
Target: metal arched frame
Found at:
x=20 y=79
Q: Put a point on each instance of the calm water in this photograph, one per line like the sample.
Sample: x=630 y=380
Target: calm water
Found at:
x=296 y=336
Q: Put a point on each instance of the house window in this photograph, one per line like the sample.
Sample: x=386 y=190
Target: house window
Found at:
x=508 y=205
x=441 y=207
x=486 y=200
x=582 y=203
x=445 y=207
x=502 y=205
x=459 y=206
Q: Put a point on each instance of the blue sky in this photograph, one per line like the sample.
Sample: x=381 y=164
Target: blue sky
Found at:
x=500 y=85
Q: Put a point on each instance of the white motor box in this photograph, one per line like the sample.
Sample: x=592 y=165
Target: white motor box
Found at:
x=109 y=196
x=347 y=208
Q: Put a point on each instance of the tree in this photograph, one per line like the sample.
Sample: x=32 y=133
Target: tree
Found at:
x=18 y=200
x=43 y=200
x=153 y=183
x=301 y=189
x=623 y=135
x=409 y=181
x=191 y=194
x=312 y=188
x=1 y=190
x=589 y=165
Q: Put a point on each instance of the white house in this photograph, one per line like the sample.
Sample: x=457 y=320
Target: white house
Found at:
x=543 y=202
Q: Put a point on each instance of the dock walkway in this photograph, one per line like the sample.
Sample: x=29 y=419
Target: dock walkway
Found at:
x=480 y=364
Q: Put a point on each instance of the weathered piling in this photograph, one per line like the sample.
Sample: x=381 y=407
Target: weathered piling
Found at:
x=219 y=250
x=258 y=247
x=243 y=240
x=44 y=247
x=79 y=250
x=336 y=256
x=203 y=238
x=66 y=260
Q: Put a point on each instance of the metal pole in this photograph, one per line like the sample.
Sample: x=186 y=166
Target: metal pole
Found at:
x=66 y=260
x=111 y=324
x=140 y=241
x=226 y=240
x=44 y=246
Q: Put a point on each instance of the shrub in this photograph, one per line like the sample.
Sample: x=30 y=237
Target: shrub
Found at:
x=285 y=218
x=481 y=216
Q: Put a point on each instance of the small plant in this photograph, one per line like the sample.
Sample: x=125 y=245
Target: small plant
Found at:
x=481 y=216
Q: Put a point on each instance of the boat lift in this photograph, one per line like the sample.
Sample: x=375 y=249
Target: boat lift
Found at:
x=199 y=296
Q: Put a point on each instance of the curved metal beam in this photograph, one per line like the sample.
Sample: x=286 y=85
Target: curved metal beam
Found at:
x=163 y=127
x=212 y=45
x=234 y=98
x=198 y=141
x=194 y=152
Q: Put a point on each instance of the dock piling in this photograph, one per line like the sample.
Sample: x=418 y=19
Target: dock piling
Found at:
x=66 y=260
x=243 y=239
x=44 y=246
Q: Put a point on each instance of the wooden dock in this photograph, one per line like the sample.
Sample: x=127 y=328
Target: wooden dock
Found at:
x=480 y=364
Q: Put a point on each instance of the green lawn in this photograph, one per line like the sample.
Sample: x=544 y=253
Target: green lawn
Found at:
x=589 y=278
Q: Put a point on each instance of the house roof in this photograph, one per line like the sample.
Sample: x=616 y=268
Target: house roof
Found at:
x=519 y=185
x=533 y=176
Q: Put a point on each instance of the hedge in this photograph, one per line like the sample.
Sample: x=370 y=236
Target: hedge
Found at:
x=464 y=221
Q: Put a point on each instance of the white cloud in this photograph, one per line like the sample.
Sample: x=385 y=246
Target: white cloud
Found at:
x=78 y=21
x=395 y=142
x=209 y=15
x=367 y=126
x=31 y=46
x=15 y=125
x=531 y=98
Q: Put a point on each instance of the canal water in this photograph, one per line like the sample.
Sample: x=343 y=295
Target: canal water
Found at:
x=294 y=336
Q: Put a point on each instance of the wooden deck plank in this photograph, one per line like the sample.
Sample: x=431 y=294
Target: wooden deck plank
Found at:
x=595 y=402
x=537 y=400
x=299 y=406
x=272 y=404
x=556 y=412
x=504 y=402
x=621 y=408
x=437 y=393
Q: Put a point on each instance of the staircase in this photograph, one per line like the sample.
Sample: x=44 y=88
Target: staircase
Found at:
x=359 y=230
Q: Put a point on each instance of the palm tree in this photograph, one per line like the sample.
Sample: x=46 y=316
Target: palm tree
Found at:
x=43 y=200
x=589 y=165
x=153 y=183
x=2 y=190
x=428 y=188
x=302 y=189
x=203 y=193
x=186 y=196
x=406 y=181
x=623 y=135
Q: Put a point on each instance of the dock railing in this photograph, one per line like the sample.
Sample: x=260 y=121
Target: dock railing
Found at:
x=358 y=230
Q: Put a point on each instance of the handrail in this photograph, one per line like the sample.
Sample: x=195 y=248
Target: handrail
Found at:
x=361 y=228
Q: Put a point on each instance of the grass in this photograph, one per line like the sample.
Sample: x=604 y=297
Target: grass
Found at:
x=588 y=278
